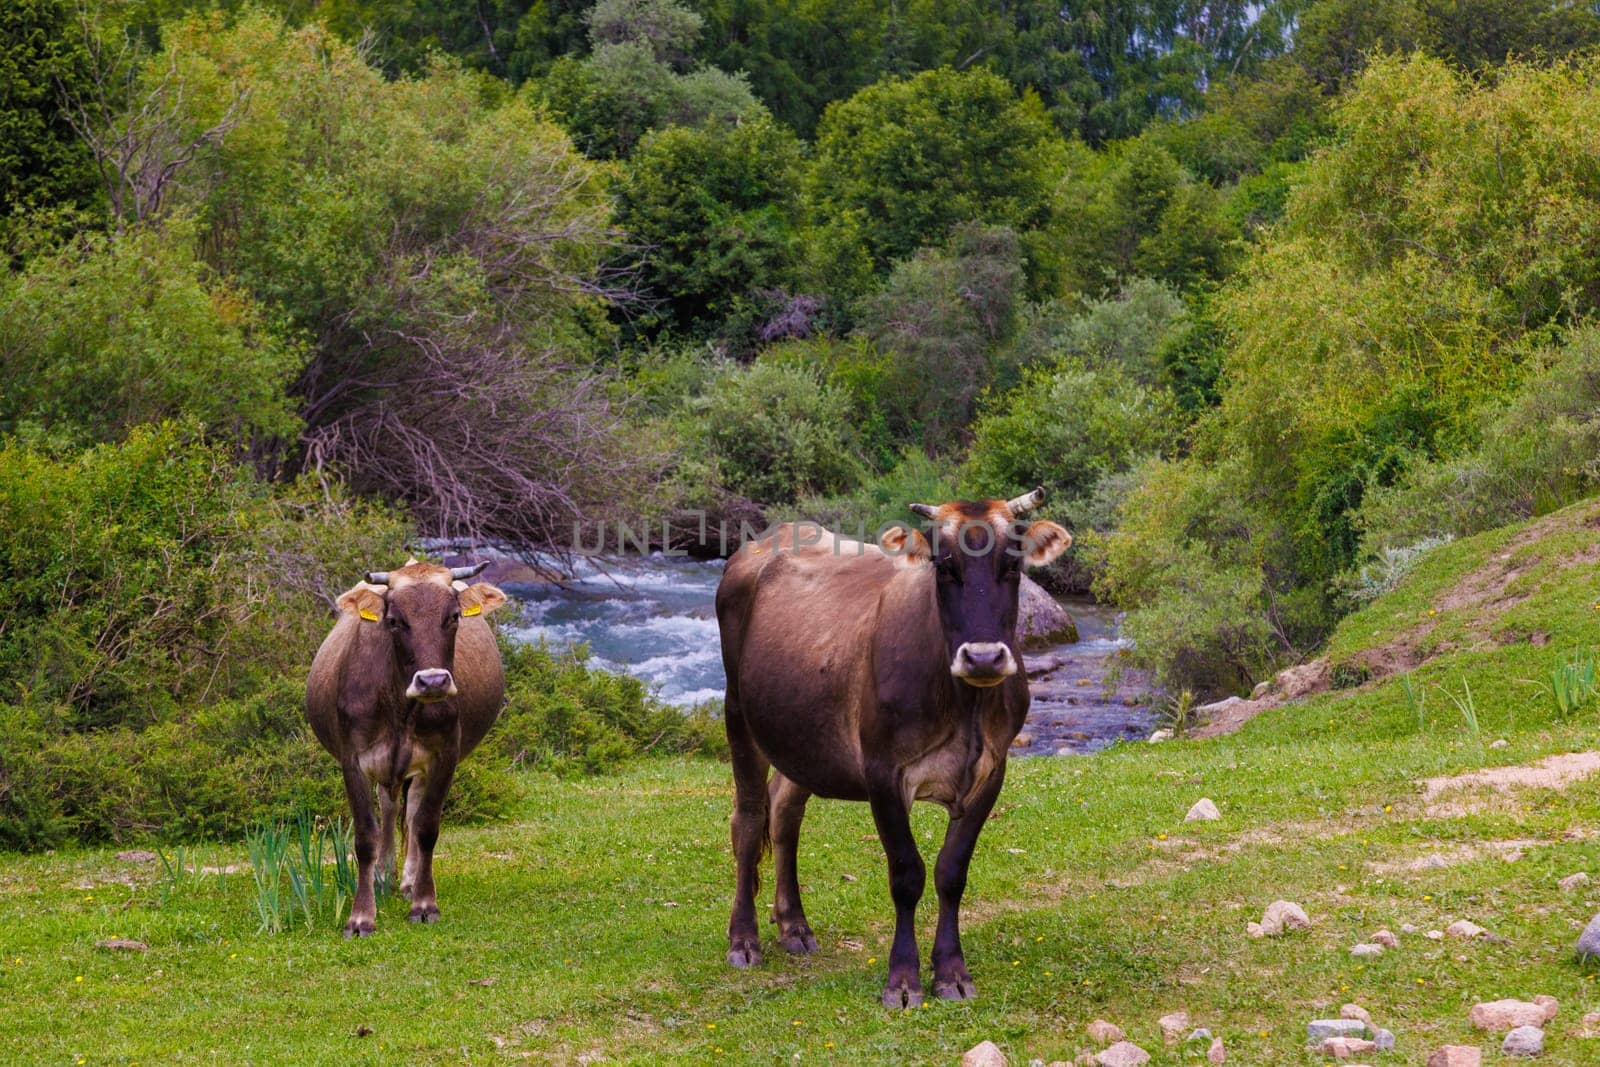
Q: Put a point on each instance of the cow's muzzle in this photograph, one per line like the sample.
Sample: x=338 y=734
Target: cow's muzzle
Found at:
x=983 y=663
x=436 y=684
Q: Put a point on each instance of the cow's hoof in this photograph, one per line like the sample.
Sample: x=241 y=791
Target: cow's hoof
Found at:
x=744 y=953
x=359 y=928
x=961 y=987
x=902 y=994
x=424 y=913
x=799 y=940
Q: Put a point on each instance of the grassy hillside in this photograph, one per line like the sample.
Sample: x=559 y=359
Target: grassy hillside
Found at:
x=592 y=927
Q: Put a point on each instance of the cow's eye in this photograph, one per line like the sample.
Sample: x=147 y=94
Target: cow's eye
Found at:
x=946 y=566
x=452 y=619
x=396 y=622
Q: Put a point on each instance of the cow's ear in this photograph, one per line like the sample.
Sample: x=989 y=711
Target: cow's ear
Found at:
x=906 y=545
x=1043 y=542
x=363 y=600
x=480 y=598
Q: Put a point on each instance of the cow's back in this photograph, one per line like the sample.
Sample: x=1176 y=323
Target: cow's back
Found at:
x=481 y=679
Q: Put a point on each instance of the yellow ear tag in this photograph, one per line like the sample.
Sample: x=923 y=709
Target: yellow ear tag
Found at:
x=370 y=616
x=476 y=609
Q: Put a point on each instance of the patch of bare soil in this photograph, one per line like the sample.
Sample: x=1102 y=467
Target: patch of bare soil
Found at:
x=1554 y=772
x=1455 y=855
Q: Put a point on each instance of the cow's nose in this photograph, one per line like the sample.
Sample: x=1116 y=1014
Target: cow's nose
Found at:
x=985 y=662
x=431 y=685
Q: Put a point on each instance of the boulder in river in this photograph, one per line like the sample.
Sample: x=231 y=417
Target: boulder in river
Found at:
x=1041 y=621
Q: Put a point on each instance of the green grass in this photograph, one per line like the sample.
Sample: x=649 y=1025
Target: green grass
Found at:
x=593 y=924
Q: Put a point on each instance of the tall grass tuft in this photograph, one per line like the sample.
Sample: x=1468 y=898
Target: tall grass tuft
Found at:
x=1415 y=701
x=1468 y=708
x=1572 y=684
x=291 y=863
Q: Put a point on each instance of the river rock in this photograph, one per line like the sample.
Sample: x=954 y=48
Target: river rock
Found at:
x=1284 y=915
x=984 y=1054
x=1524 y=1041
x=1319 y=1030
x=1456 y=1056
x=1217 y=1053
x=1574 y=881
x=1589 y=940
x=1173 y=1026
x=1122 y=1054
x=1204 y=810
x=1041 y=620
x=1497 y=1016
x=1355 y=1011
x=1104 y=1033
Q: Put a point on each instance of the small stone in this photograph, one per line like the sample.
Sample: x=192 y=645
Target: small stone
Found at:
x=1410 y=928
x=1283 y=915
x=1434 y=935
x=1160 y=735
x=122 y=944
x=1498 y=742
x=1355 y=1011
x=1591 y=1020
x=1254 y=929
x=1497 y=1016
x=1384 y=938
x=1464 y=929
x=1366 y=950
x=137 y=855
x=1319 y=1030
x=1343 y=1048
x=1204 y=810
x=1550 y=1005
x=1217 y=1053
x=1199 y=1034
x=1524 y=1041
x=1173 y=1026
x=1589 y=940
x=1086 y=1059
x=1434 y=862
x=1573 y=881
x=1383 y=1040
x=1104 y=1033
x=1456 y=1056
x=984 y=1054
x=1123 y=1054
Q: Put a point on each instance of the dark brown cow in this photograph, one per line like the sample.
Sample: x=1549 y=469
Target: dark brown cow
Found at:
x=408 y=682
x=888 y=675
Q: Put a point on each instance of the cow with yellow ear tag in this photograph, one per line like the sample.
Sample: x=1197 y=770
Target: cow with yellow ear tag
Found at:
x=406 y=684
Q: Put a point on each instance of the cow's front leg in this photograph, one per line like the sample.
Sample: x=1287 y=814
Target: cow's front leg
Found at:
x=950 y=978
x=364 y=909
x=424 y=831
x=906 y=878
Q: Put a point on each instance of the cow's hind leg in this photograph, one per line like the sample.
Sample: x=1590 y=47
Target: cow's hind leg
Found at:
x=423 y=826
x=950 y=978
x=788 y=806
x=907 y=877
x=364 y=909
x=749 y=829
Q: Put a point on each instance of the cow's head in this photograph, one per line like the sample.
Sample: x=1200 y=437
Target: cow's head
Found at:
x=420 y=606
x=977 y=549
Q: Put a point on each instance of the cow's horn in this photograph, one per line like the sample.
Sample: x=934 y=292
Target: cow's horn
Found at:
x=927 y=511
x=377 y=577
x=461 y=574
x=1026 y=502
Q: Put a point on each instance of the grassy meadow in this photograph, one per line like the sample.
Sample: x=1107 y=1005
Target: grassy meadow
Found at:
x=590 y=926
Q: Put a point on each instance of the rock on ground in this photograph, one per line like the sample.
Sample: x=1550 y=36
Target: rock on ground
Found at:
x=1104 y=1033
x=1254 y=929
x=1123 y=1054
x=1589 y=940
x=137 y=855
x=1282 y=915
x=1551 y=1005
x=1497 y=1016
x=1465 y=930
x=1343 y=1048
x=1319 y=1030
x=1040 y=619
x=1384 y=938
x=984 y=1054
x=1524 y=1041
x=1217 y=1053
x=1574 y=881
x=1355 y=1011
x=122 y=944
x=1383 y=1039
x=1173 y=1026
x=1366 y=950
x=1204 y=810
x=1456 y=1056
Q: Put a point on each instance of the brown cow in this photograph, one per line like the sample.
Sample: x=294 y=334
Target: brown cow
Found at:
x=408 y=682
x=887 y=675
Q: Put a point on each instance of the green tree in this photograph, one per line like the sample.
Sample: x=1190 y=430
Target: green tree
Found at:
x=714 y=207
x=901 y=162
x=43 y=164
